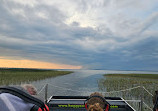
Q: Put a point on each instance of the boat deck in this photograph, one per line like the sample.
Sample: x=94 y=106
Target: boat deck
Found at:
x=76 y=103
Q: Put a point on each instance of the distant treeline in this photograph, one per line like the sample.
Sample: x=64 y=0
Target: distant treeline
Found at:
x=23 y=69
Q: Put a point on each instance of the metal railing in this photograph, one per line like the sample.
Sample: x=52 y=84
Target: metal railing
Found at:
x=140 y=102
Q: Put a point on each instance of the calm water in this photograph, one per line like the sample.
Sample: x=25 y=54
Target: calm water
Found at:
x=81 y=82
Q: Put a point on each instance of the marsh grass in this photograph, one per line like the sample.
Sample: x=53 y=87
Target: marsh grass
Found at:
x=144 y=76
x=17 y=76
x=116 y=82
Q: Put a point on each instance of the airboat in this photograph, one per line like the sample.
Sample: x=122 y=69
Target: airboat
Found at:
x=74 y=103
x=77 y=103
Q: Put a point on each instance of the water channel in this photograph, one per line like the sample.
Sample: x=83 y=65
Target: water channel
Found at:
x=79 y=83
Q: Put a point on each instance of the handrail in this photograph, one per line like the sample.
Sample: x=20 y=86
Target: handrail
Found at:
x=106 y=100
x=100 y=92
x=126 y=100
x=146 y=90
x=147 y=106
x=140 y=101
x=41 y=89
x=123 y=90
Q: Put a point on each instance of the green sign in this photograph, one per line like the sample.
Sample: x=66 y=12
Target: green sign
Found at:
x=71 y=106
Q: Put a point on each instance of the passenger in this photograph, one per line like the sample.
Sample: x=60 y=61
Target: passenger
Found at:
x=155 y=101
x=33 y=91
x=96 y=102
x=30 y=89
x=10 y=102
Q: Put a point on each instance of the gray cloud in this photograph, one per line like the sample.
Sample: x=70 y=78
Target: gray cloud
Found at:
x=39 y=31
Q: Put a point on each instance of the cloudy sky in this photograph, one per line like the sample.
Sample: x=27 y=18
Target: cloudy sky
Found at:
x=88 y=34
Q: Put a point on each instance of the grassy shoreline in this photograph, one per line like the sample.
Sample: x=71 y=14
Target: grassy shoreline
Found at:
x=118 y=82
x=147 y=76
x=17 y=76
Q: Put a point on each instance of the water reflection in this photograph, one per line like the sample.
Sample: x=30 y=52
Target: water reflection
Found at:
x=81 y=82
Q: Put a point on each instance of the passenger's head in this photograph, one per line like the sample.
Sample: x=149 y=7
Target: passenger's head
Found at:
x=30 y=89
x=96 y=94
x=95 y=107
x=95 y=103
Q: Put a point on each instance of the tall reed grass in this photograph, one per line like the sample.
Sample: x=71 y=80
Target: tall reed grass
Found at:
x=17 y=76
x=116 y=82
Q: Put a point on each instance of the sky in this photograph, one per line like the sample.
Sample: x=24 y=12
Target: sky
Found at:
x=79 y=34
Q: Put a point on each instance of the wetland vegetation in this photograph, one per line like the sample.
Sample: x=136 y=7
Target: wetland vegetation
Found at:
x=147 y=76
x=116 y=82
x=17 y=76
